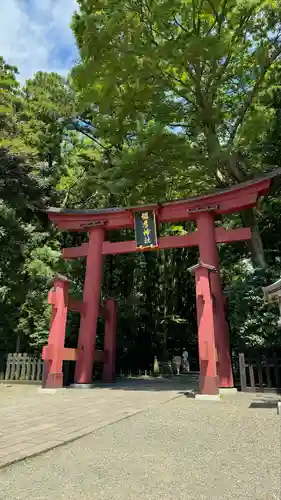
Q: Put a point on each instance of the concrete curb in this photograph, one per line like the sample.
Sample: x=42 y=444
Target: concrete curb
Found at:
x=41 y=390
x=228 y=391
x=208 y=397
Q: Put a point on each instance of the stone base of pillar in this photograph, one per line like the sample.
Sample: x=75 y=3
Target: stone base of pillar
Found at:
x=43 y=390
x=208 y=397
x=82 y=386
x=228 y=390
x=208 y=385
x=53 y=381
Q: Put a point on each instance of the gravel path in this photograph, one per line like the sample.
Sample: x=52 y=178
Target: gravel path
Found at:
x=182 y=449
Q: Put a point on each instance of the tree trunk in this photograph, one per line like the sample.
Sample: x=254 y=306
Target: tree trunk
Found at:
x=18 y=340
x=256 y=246
x=235 y=171
x=249 y=219
x=163 y=304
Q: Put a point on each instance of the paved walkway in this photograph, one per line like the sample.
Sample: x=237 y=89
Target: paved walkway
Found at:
x=182 y=449
x=33 y=420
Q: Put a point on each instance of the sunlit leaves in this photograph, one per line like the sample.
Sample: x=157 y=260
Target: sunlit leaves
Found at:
x=215 y=60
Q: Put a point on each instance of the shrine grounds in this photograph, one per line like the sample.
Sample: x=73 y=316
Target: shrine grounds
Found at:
x=142 y=440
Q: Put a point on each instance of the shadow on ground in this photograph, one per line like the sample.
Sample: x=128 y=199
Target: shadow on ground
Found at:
x=265 y=403
x=181 y=384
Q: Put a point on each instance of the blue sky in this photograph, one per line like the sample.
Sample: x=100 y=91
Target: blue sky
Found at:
x=35 y=35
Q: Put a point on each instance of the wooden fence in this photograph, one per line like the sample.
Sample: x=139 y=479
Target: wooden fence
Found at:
x=257 y=374
x=23 y=367
x=260 y=374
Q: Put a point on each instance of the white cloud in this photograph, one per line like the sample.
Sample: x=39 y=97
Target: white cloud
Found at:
x=35 y=35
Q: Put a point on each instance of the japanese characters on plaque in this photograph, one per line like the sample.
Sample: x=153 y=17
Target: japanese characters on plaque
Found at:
x=145 y=229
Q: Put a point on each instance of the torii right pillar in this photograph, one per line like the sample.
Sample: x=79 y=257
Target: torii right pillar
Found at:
x=209 y=255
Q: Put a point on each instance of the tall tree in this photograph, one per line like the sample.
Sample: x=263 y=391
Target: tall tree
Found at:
x=10 y=102
x=19 y=202
x=48 y=104
x=179 y=88
x=31 y=165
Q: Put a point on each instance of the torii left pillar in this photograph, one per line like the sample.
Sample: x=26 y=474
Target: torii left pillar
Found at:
x=91 y=299
x=53 y=352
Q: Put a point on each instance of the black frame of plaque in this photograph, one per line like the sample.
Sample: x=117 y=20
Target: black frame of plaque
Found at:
x=145 y=240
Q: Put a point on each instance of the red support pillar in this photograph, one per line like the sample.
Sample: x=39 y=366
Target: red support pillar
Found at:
x=109 y=341
x=209 y=255
x=91 y=299
x=208 y=381
x=52 y=353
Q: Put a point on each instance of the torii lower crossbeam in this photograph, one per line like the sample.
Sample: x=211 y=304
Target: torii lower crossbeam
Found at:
x=165 y=242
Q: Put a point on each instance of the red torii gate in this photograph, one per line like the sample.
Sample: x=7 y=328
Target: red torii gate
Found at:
x=213 y=335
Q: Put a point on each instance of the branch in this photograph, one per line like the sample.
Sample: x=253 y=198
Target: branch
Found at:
x=179 y=25
x=218 y=18
x=237 y=33
x=88 y=135
x=251 y=96
x=194 y=15
x=147 y=24
x=233 y=168
x=78 y=179
x=215 y=13
x=85 y=121
x=187 y=99
x=181 y=82
x=180 y=94
x=178 y=124
x=223 y=13
x=218 y=78
x=195 y=10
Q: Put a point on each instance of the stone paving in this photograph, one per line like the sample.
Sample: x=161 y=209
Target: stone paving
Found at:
x=171 y=448
x=33 y=420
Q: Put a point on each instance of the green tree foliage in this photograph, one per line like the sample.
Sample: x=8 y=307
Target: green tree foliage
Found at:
x=253 y=323
x=18 y=193
x=29 y=251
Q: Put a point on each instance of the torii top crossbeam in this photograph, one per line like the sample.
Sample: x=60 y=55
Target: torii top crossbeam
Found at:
x=234 y=199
